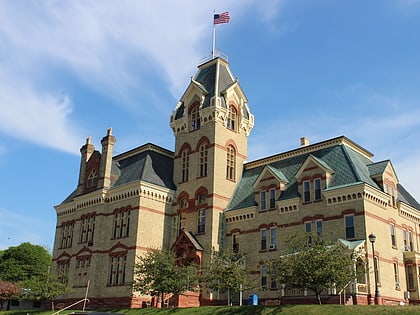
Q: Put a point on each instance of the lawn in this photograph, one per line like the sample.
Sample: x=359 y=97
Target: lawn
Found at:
x=256 y=310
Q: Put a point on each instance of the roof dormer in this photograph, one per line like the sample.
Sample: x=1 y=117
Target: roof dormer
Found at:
x=312 y=177
x=268 y=187
x=384 y=175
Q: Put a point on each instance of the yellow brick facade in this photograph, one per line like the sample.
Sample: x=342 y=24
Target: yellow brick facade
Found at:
x=141 y=199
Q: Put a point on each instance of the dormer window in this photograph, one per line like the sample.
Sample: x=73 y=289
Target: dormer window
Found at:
x=317 y=189
x=92 y=180
x=195 y=118
x=272 y=198
x=263 y=204
x=232 y=118
x=306 y=191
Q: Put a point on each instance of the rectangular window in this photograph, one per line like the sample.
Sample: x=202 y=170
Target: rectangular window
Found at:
x=410 y=241
x=306 y=191
x=121 y=225
x=273 y=281
x=308 y=229
x=317 y=189
x=117 y=270
x=67 y=229
x=393 y=238
x=376 y=269
x=263 y=239
x=87 y=230
x=405 y=239
x=235 y=243
x=396 y=276
x=273 y=238
x=349 y=223
x=263 y=203
x=272 y=198
x=82 y=272
x=201 y=226
x=318 y=224
x=63 y=272
x=264 y=276
x=410 y=277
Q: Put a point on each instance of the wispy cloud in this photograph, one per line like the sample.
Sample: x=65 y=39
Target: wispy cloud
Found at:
x=112 y=49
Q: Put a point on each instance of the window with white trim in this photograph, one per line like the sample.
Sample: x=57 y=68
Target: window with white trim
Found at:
x=203 y=159
x=185 y=165
x=393 y=237
x=230 y=162
x=195 y=118
x=272 y=193
x=263 y=202
x=317 y=189
x=263 y=238
x=306 y=191
x=349 y=227
x=273 y=238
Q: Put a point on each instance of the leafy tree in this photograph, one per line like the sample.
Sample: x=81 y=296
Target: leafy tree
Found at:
x=44 y=288
x=28 y=265
x=224 y=271
x=315 y=265
x=157 y=272
x=19 y=263
x=8 y=290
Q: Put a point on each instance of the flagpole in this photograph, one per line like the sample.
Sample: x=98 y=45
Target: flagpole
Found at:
x=214 y=36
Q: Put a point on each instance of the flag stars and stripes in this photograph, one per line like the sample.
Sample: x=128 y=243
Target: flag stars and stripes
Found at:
x=221 y=18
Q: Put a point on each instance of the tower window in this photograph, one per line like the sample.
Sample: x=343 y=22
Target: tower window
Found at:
x=232 y=118
x=203 y=160
x=185 y=164
x=195 y=118
x=230 y=167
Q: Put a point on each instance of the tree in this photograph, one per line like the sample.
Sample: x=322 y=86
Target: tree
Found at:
x=8 y=290
x=224 y=271
x=44 y=288
x=19 y=263
x=28 y=266
x=157 y=272
x=315 y=265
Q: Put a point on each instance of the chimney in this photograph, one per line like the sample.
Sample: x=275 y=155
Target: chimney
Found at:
x=304 y=142
x=106 y=160
x=86 y=152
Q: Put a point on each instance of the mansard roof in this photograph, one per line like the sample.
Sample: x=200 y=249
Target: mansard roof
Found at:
x=213 y=77
x=351 y=165
x=148 y=163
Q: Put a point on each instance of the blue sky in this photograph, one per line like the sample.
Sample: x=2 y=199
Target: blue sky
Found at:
x=72 y=69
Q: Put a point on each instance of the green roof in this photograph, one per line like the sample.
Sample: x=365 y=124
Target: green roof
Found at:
x=349 y=167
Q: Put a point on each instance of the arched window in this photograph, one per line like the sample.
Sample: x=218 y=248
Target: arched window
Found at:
x=203 y=159
x=232 y=118
x=185 y=164
x=195 y=118
x=230 y=162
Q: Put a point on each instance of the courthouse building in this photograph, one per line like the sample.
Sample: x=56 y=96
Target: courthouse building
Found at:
x=204 y=194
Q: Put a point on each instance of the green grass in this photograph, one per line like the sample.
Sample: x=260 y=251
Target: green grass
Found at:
x=256 y=310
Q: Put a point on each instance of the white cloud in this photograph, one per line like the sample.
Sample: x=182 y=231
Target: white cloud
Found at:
x=113 y=49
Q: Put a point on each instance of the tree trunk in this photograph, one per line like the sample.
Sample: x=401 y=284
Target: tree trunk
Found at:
x=318 y=297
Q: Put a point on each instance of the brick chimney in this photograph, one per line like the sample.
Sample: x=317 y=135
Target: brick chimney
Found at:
x=304 y=142
x=106 y=160
x=86 y=152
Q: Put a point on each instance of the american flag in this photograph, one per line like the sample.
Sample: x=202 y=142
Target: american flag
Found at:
x=221 y=18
